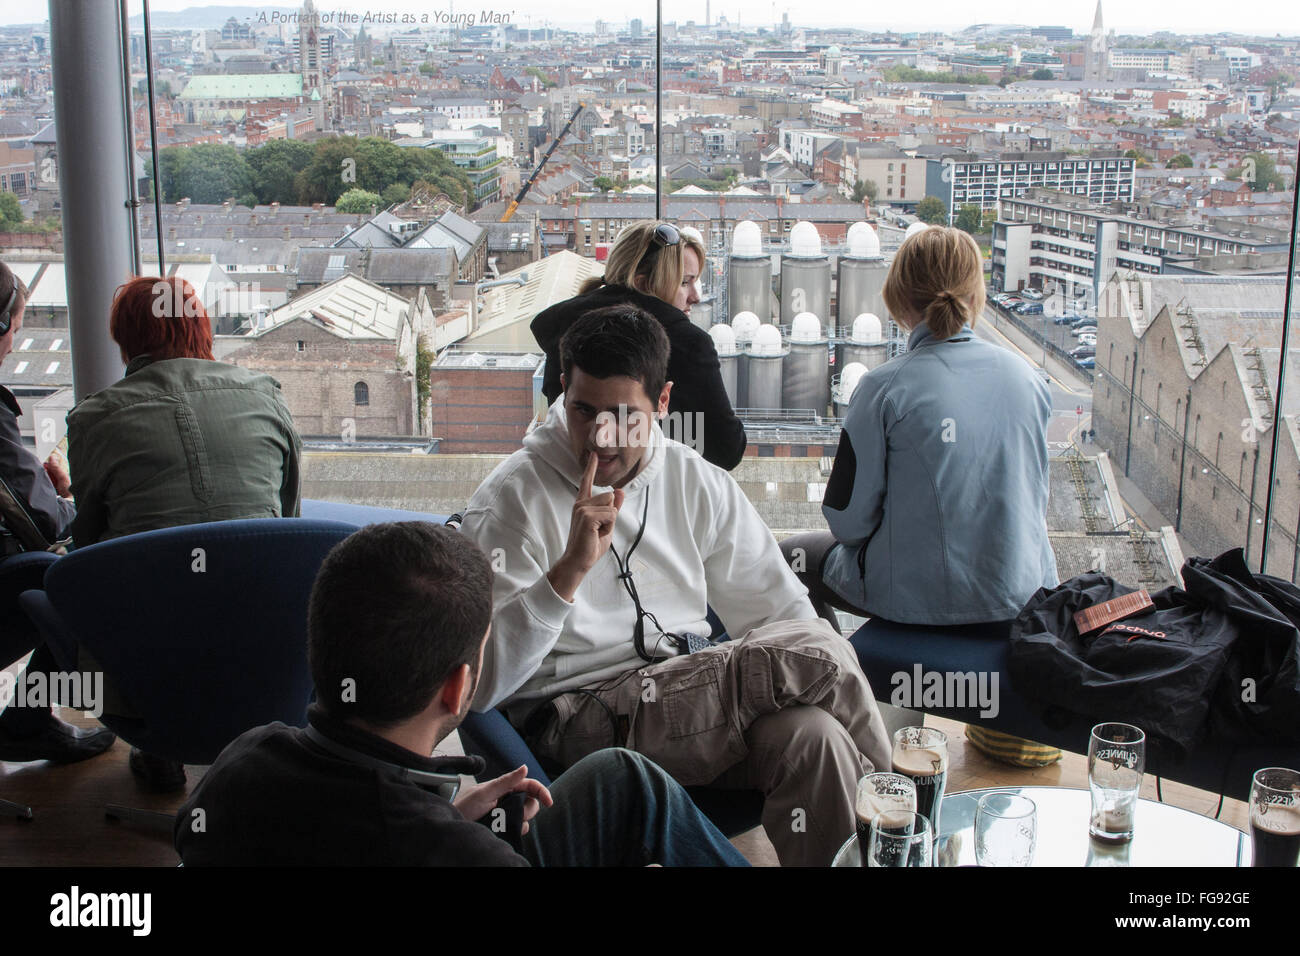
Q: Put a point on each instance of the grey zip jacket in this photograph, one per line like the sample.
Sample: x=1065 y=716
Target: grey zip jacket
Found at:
x=938 y=496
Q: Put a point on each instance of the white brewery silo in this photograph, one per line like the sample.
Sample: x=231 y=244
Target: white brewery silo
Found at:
x=866 y=344
x=749 y=272
x=914 y=228
x=862 y=272
x=806 y=382
x=805 y=275
x=766 y=360
x=743 y=326
x=845 y=385
x=724 y=340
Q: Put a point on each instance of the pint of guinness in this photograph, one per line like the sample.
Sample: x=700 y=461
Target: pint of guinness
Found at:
x=879 y=793
x=921 y=755
x=1275 y=817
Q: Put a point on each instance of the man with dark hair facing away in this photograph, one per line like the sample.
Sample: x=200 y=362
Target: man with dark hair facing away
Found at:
x=610 y=543
x=398 y=618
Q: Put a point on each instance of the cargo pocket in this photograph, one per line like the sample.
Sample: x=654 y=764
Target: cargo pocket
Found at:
x=689 y=728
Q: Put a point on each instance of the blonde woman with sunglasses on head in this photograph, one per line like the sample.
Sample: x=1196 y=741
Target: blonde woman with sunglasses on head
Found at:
x=656 y=267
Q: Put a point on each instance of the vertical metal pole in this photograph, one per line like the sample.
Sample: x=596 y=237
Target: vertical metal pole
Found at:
x=133 y=196
x=659 y=106
x=90 y=124
x=1182 y=465
x=1250 y=510
x=1282 y=359
x=1132 y=403
x=153 y=142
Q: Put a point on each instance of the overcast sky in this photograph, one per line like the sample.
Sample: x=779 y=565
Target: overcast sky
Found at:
x=1134 y=16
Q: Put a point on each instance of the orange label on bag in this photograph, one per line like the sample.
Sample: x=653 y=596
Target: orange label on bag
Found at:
x=1108 y=612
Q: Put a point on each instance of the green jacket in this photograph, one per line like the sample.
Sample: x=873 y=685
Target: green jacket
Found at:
x=181 y=441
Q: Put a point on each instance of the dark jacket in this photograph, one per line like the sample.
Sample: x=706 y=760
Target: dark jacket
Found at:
x=276 y=798
x=693 y=368
x=181 y=441
x=1177 y=670
x=26 y=477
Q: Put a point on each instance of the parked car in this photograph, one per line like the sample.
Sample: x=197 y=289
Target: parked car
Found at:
x=1030 y=308
x=1086 y=362
x=1032 y=294
x=1084 y=330
x=1083 y=351
x=1088 y=338
x=1084 y=320
x=1068 y=319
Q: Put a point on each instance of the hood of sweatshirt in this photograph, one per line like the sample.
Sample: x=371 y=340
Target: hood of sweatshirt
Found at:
x=550 y=442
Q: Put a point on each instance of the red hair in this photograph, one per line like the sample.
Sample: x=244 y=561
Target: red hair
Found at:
x=161 y=318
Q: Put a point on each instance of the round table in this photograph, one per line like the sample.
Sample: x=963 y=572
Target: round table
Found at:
x=1163 y=835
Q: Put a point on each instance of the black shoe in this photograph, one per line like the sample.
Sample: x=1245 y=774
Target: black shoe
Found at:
x=157 y=774
x=57 y=742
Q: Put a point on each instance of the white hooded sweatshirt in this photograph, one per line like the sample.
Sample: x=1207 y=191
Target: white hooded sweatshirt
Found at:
x=704 y=545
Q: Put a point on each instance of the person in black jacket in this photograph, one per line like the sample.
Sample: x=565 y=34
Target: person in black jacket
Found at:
x=396 y=626
x=32 y=732
x=656 y=267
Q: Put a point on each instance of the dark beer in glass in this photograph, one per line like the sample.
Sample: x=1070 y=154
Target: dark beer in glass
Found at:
x=921 y=755
x=1275 y=817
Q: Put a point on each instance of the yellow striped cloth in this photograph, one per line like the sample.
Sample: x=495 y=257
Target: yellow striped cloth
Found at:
x=1011 y=750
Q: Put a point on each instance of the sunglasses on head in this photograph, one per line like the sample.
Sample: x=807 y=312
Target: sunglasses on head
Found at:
x=665 y=235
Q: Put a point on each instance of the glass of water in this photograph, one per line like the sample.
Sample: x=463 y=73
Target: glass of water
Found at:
x=1006 y=829
x=900 y=838
x=1116 y=762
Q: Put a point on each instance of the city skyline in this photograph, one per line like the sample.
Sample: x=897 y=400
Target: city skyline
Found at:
x=1195 y=16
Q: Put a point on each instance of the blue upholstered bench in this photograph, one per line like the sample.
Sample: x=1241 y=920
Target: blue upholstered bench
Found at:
x=886 y=649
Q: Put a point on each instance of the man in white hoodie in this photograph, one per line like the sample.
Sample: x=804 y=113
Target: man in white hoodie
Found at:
x=610 y=543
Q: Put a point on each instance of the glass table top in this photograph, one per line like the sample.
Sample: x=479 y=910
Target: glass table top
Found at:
x=1163 y=835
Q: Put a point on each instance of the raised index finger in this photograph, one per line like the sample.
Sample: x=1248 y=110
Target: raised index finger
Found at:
x=588 y=477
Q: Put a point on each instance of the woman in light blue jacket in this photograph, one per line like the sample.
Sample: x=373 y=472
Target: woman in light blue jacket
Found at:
x=938 y=499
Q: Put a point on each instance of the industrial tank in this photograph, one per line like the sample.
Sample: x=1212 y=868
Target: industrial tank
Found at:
x=845 y=386
x=806 y=382
x=744 y=325
x=862 y=272
x=866 y=344
x=805 y=275
x=749 y=273
x=766 y=362
x=724 y=340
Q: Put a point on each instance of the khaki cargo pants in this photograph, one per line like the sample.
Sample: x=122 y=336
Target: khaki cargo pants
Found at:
x=786 y=710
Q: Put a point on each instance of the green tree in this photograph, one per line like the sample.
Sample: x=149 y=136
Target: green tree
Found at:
x=275 y=165
x=394 y=194
x=11 y=212
x=372 y=164
x=207 y=173
x=1181 y=161
x=865 y=189
x=604 y=184
x=1260 y=171
x=1004 y=81
x=970 y=218
x=931 y=209
x=357 y=200
x=426 y=69
x=1042 y=73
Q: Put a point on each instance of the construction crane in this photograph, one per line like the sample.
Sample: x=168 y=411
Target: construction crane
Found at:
x=528 y=183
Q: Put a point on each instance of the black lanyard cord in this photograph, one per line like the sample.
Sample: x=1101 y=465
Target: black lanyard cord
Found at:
x=625 y=575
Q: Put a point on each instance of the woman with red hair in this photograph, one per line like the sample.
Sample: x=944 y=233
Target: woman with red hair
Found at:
x=181 y=439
